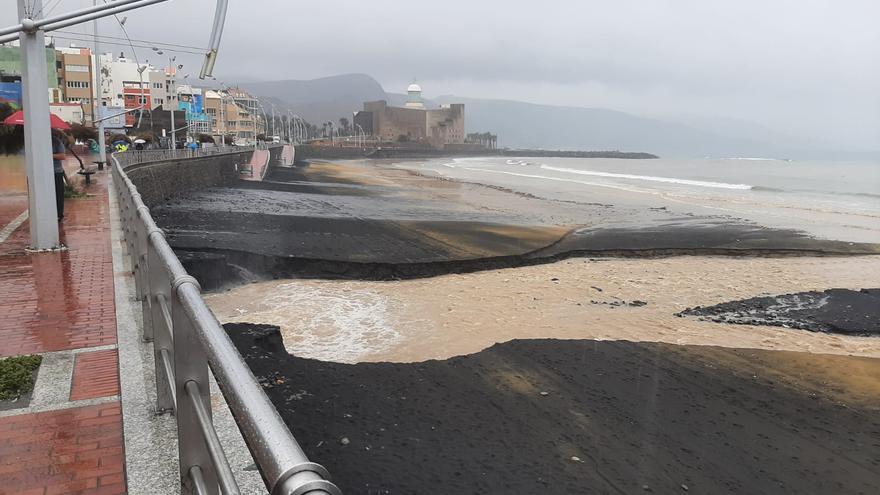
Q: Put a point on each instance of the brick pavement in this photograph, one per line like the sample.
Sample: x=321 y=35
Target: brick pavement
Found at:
x=64 y=300
x=77 y=450
x=60 y=302
x=95 y=375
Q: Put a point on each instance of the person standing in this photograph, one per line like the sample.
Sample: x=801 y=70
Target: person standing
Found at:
x=59 y=154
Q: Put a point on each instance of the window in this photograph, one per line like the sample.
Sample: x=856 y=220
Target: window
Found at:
x=77 y=68
x=77 y=84
x=157 y=101
x=157 y=85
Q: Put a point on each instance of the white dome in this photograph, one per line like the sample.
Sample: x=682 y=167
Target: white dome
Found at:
x=414 y=88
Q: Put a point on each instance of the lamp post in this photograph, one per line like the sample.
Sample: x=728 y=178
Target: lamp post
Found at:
x=99 y=90
x=37 y=136
x=265 y=118
x=187 y=112
x=273 y=119
x=291 y=128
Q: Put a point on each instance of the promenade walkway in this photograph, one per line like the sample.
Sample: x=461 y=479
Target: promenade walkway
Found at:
x=69 y=439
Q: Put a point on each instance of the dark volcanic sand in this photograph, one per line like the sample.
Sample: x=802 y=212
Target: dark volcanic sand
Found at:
x=639 y=417
x=834 y=310
x=318 y=221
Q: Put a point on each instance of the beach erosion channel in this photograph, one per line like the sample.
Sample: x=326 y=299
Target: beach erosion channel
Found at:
x=454 y=326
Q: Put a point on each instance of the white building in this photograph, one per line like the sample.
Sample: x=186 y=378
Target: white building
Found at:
x=124 y=80
x=72 y=113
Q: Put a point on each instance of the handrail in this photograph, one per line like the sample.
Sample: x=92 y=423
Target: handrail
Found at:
x=187 y=340
x=135 y=157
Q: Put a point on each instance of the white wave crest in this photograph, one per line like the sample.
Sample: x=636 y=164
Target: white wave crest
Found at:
x=649 y=178
x=325 y=322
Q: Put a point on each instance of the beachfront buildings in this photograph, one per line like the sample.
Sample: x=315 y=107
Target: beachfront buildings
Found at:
x=76 y=81
x=233 y=112
x=414 y=122
x=131 y=85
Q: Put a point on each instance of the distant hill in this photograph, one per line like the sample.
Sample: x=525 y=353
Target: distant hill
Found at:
x=528 y=125
x=324 y=99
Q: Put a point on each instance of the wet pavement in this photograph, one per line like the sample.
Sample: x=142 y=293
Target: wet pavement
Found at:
x=61 y=305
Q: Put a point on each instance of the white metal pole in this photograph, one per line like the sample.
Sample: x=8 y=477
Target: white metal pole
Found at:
x=37 y=135
x=99 y=92
x=173 y=73
x=223 y=120
x=255 y=127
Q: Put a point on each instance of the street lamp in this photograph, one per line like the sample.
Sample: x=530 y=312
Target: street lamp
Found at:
x=172 y=72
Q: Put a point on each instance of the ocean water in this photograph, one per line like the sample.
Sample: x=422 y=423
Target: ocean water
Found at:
x=827 y=199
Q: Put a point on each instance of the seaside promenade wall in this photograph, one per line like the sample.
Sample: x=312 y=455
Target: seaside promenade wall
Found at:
x=305 y=152
x=157 y=181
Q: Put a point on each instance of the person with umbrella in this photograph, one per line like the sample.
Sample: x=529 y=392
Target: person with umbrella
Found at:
x=59 y=153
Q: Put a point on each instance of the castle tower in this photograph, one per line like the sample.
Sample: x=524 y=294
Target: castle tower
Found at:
x=414 y=96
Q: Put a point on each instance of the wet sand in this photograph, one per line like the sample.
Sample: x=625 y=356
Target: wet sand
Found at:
x=452 y=315
x=362 y=221
x=563 y=417
x=841 y=311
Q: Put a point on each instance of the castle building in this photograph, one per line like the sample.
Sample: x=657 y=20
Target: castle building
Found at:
x=413 y=122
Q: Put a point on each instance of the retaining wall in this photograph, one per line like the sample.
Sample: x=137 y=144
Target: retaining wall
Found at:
x=158 y=181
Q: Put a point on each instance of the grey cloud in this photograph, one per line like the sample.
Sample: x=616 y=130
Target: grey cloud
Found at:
x=802 y=67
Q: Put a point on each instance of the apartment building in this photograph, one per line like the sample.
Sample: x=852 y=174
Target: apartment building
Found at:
x=76 y=80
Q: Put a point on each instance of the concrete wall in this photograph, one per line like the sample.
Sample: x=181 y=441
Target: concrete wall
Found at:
x=306 y=152
x=161 y=180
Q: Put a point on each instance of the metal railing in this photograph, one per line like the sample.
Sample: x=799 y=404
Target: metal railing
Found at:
x=134 y=157
x=187 y=340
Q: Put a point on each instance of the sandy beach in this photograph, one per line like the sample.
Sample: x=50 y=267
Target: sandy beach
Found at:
x=520 y=343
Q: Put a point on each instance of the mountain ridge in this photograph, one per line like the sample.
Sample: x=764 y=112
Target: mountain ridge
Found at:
x=523 y=125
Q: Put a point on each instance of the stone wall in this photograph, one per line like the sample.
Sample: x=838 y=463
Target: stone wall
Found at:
x=306 y=152
x=160 y=180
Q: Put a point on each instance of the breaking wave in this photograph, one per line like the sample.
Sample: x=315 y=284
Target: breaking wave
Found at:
x=649 y=178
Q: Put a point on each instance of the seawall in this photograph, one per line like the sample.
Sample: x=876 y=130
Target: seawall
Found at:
x=306 y=152
x=158 y=181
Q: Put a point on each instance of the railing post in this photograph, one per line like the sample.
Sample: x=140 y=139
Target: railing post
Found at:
x=163 y=331
x=143 y=274
x=190 y=364
x=134 y=253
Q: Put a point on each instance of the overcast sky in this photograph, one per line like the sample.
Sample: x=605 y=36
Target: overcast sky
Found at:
x=805 y=67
